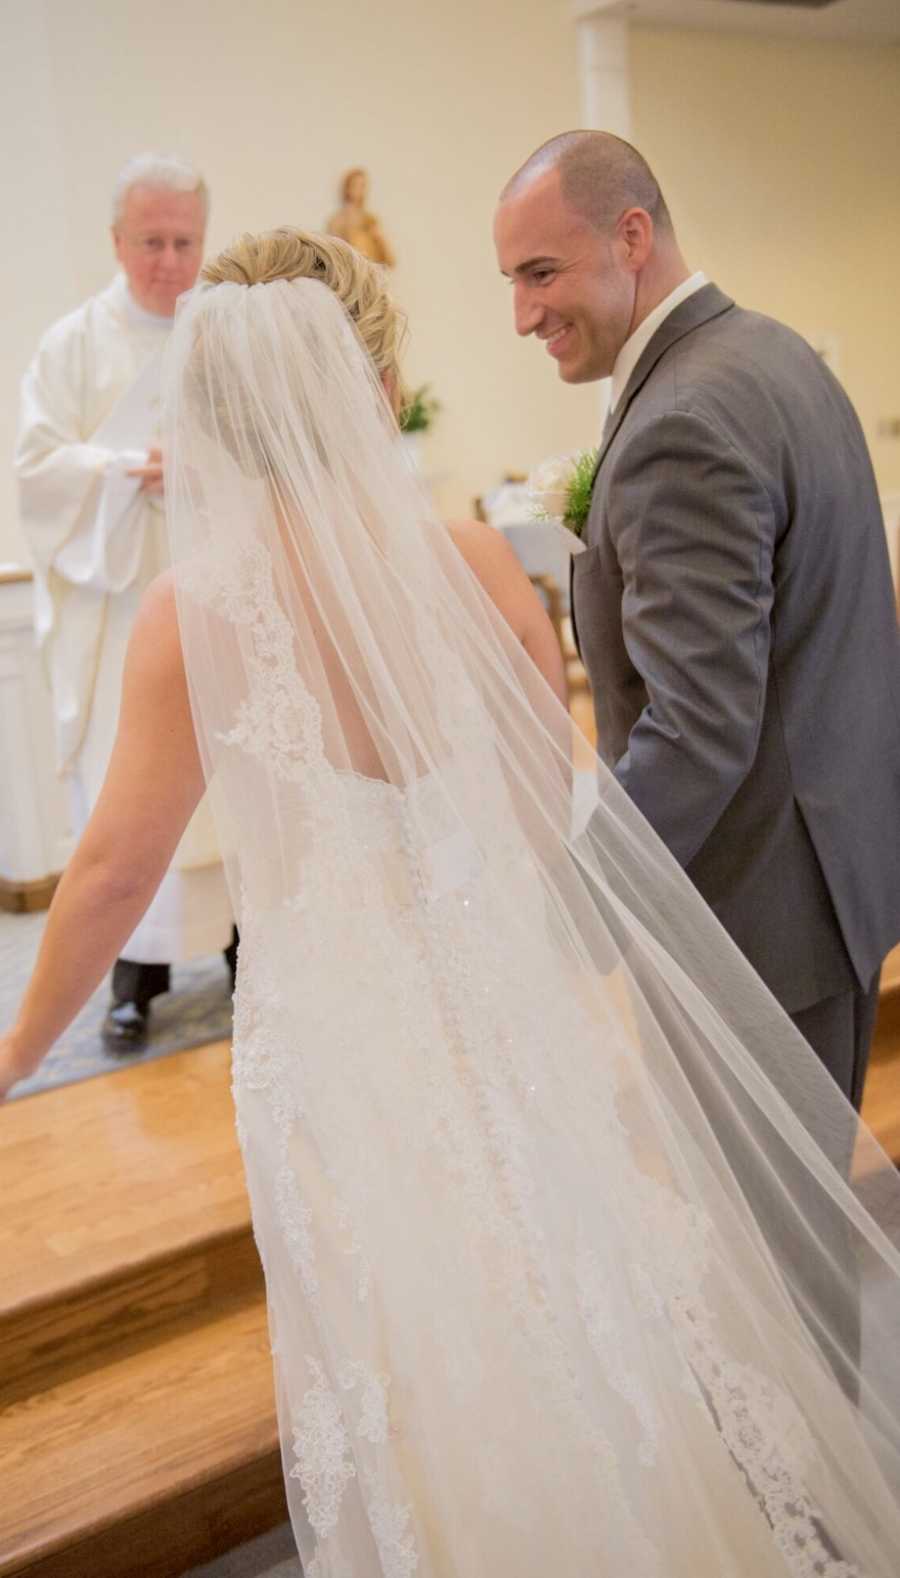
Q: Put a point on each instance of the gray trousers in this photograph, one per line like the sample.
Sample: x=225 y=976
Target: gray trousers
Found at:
x=840 y=1030
x=140 y=983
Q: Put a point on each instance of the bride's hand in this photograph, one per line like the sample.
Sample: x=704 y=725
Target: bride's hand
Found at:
x=13 y=1065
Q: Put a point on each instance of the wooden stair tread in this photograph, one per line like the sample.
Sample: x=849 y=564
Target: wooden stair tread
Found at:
x=118 y=1172
x=881 y=1109
x=139 y=1435
x=195 y=1407
x=881 y=1098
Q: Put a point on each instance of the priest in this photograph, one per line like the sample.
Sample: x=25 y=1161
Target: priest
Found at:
x=91 y=489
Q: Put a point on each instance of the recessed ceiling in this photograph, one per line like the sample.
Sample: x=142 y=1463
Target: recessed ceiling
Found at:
x=859 y=21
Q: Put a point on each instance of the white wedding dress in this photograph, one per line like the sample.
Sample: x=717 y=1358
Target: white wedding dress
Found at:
x=492 y=1345
x=558 y=1281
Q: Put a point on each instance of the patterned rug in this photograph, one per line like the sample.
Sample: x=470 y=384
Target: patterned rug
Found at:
x=196 y=1011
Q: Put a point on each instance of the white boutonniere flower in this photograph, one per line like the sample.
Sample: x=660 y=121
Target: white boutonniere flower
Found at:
x=560 y=490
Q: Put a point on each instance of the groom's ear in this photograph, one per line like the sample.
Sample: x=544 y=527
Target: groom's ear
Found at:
x=635 y=234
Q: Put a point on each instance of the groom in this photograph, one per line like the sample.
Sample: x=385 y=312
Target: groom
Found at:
x=734 y=607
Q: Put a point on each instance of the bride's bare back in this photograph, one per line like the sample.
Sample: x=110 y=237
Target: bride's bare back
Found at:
x=157 y=665
x=494 y=563
x=155 y=781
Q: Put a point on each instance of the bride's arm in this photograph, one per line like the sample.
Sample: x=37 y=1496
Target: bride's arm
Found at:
x=152 y=787
x=490 y=556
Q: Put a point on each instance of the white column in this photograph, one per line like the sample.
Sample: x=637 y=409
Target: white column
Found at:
x=34 y=831
x=605 y=74
x=605 y=79
x=604 y=69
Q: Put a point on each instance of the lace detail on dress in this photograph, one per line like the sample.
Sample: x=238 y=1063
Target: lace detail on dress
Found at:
x=263 y=1060
x=296 y=1221
x=322 y=1449
x=279 y=721
x=325 y=1467
x=392 y=889
x=373 y=1405
x=390 y=1526
x=758 y=1422
x=769 y=1441
x=605 y=1338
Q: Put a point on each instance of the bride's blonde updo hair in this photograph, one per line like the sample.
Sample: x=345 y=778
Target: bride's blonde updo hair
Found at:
x=358 y=283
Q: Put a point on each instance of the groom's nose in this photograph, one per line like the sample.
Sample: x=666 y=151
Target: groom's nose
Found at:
x=527 y=311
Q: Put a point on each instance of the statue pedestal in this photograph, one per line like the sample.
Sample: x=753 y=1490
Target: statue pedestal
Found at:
x=35 y=836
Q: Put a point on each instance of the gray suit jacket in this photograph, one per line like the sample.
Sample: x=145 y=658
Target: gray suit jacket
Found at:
x=735 y=614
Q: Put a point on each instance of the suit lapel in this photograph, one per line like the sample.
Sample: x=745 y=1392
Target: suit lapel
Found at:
x=706 y=303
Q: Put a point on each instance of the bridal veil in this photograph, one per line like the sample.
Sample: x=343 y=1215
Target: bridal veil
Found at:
x=577 y=1260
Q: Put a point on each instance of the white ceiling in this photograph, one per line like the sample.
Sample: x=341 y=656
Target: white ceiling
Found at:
x=864 y=21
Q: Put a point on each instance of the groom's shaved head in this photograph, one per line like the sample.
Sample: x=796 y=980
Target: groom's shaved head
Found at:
x=584 y=237
x=600 y=177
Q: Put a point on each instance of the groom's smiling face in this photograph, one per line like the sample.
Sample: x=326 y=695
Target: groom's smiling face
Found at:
x=571 y=286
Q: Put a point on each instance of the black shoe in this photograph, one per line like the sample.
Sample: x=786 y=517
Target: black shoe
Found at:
x=231 y=953
x=125 y=1027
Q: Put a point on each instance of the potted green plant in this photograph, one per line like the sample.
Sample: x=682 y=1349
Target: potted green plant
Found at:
x=416 y=418
x=420 y=411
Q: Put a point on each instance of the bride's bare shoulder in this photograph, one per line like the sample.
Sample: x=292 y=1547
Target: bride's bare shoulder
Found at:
x=155 y=638
x=494 y=561
x=485 y=550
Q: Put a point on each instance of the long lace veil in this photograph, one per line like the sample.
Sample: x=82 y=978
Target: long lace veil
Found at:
x=334 y=636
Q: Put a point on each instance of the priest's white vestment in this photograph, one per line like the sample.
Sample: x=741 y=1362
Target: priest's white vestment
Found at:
x=90 y=404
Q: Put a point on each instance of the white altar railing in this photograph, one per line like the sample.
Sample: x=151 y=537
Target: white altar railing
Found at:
x=35 y=839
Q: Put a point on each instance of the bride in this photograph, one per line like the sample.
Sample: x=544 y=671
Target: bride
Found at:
x=577 y=1262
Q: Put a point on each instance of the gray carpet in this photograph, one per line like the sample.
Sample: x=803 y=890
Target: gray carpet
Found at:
x=273 y=1555
x=196 y=1011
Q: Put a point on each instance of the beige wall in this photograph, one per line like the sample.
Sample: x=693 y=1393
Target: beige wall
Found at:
x=273 y=100
x=779 y=161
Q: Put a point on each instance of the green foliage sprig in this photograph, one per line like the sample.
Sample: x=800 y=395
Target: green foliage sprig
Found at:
x=420 y=411
x=581 y=487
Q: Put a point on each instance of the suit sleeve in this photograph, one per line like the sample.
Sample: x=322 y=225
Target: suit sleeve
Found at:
x=694 y=531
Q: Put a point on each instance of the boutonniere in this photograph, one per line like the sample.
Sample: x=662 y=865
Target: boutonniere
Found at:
x=560 y=490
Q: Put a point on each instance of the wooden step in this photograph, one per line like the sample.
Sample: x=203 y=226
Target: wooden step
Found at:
x=149 y=1464
x=138 y=1437
x=881 y=1100
x=124 y=1209
x=890 y=974
x=137 y=1433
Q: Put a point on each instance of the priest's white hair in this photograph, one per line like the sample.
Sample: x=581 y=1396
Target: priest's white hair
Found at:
x=157 y=169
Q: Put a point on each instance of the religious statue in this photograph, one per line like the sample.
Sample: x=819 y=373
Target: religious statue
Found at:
x=353 y=223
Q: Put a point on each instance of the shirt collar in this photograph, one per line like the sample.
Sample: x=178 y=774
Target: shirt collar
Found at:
x=630 y=354
x=138 y=317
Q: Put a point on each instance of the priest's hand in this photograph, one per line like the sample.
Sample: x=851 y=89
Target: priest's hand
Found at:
x=151 y=475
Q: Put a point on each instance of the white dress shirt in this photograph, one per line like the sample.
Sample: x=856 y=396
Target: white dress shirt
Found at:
x=630 y=354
